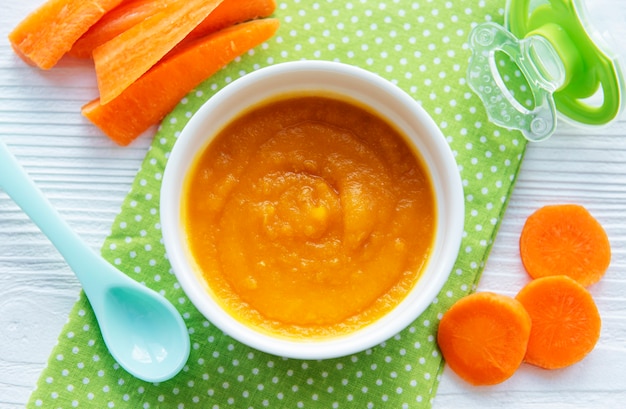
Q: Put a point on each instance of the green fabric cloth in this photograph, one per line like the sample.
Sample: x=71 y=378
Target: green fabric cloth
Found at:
x=421 y=46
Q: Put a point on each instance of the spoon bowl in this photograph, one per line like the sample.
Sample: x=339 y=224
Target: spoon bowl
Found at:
x=153 y=357
x=142 y=330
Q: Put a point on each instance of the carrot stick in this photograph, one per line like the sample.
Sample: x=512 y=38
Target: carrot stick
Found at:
x=565 y=239
x=122 y=18
x=125 y=58
x=157 y=92
x=47 y=33
x=565 y=321
x=483 y=337
x=233 y=12
x=116 y=22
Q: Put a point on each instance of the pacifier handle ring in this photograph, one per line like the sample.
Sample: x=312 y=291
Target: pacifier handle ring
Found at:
x=587 y=67
x=582 y=112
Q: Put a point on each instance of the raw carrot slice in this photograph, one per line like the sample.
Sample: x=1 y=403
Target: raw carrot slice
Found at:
x=125 y=58
x=483 y=337
x=565 y=321
x=116 y=22
x=49 y=32
x=565 y=239
x=228 y=13
x=157 y=92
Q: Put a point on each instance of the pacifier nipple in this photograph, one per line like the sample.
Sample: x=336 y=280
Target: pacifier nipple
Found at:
x=563 y=67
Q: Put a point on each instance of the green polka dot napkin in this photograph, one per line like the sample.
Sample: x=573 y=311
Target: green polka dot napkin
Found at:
x=419 y=45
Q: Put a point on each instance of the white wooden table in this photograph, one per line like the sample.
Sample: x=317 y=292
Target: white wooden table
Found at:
x=86 y=178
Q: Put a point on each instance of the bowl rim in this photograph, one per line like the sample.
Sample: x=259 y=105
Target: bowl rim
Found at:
x=368 y=89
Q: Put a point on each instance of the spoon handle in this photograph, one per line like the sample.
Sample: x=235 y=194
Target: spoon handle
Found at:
x=19 y=186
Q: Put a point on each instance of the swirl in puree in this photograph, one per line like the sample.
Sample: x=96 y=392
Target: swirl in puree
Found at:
x=309 y=216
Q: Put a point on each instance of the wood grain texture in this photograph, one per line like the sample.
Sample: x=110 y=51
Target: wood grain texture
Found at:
x=86 y=178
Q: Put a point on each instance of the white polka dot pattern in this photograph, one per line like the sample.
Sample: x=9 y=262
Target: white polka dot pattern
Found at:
x=419 y=45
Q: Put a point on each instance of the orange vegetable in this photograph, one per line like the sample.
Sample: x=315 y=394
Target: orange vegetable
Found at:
x=228 y=13
x=122 y=60
x=483 y=337
x=232 y=12
x=565 y=321
x=157 y=92
x=565 y=239
x=49 y=32
x=116 y=22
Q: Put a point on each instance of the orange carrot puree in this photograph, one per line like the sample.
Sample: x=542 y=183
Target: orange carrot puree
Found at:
x=309 y=216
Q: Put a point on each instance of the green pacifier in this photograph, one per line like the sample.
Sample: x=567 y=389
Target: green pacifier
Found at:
x=566 y=71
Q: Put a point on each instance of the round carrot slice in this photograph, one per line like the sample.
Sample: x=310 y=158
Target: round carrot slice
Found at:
x=483 y=337
x=565 y=239
x=565 y=321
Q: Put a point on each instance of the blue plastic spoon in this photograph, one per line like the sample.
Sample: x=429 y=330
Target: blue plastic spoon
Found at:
x=142 y=330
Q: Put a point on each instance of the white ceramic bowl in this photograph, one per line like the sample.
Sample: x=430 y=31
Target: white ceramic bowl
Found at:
x=388 y=101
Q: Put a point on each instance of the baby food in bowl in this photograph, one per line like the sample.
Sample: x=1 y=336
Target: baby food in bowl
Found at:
x=309 y=216
x=311 y=210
